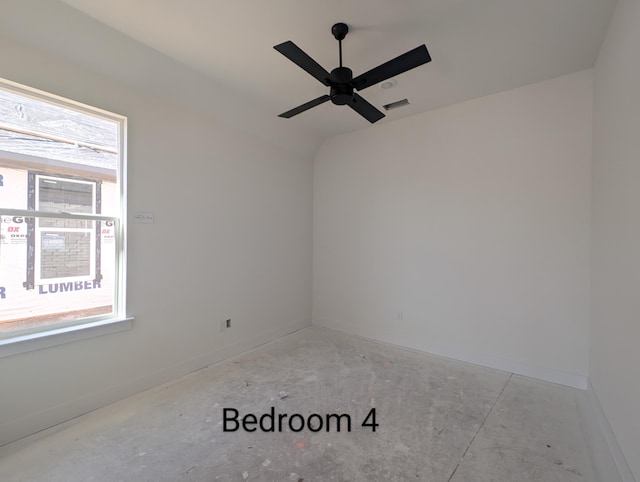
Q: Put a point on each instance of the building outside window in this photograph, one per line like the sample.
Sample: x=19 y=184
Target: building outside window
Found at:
x=62 y=213
x=65 y=249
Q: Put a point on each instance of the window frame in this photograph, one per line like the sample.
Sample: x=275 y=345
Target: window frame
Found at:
x=28 y=339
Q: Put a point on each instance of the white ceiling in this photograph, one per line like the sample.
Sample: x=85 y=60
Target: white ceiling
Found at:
x=478 y=46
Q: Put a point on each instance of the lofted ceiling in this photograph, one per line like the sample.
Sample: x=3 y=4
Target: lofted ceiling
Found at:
x=478 y=46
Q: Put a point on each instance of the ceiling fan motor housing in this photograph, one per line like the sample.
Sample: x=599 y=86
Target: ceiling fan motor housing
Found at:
x=342 y=90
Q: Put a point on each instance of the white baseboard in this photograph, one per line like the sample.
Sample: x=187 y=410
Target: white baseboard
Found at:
x=609 y=462
x=498 y=363
x=48 y=421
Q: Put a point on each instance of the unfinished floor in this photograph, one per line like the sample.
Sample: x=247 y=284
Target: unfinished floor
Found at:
x=438 y=420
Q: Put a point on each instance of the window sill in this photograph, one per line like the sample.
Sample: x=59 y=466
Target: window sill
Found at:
x=60 y=336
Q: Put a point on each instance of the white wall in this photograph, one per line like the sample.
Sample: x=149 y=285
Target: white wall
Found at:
x=232 y=238
x=473 y=221
x=615 y=328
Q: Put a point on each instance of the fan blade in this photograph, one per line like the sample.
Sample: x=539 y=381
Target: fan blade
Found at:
x=303 y=107
x=365 y=109
x=302 y=60
x=407 y=61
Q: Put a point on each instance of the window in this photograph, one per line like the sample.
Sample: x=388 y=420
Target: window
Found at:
x=65 y=249
x=62 y=208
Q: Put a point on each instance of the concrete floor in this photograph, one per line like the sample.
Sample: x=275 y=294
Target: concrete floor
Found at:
x=439 y=420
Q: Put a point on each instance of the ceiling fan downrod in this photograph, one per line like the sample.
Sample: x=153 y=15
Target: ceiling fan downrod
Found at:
x=341 y=91
x=339 y=31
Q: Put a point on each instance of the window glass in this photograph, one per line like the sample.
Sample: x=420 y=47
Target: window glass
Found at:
x=61 y=212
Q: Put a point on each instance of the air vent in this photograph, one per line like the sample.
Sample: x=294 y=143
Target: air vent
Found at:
x=395 y=105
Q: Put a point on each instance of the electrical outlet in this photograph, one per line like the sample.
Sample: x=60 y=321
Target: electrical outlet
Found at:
x=225 y=324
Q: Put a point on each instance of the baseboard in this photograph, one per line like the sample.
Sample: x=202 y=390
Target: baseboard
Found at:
x=48 y=421
x=498 y=363
x=609 y=462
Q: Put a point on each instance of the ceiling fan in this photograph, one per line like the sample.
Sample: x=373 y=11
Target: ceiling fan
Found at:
x=341 y=80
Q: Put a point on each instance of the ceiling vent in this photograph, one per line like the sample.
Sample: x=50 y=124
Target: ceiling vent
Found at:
x=397 y=104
